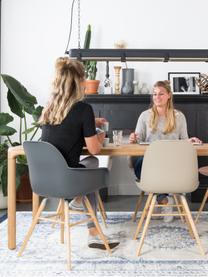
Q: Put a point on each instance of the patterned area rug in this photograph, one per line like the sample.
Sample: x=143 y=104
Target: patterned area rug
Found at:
x=168 y=250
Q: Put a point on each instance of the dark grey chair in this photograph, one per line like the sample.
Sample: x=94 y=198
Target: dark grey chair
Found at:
x=50 y=176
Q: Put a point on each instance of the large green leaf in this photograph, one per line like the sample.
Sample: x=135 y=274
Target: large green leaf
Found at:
x=23 y=97
x=14 y=105
x=37 y=113
x=7 y=131
x=5 y=118
x=3 y=152
x=21 y=169
x=1 y=169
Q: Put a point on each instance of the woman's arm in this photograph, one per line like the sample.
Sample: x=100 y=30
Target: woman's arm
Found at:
x=94 y=143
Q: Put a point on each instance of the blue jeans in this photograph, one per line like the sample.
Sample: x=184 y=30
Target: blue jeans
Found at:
x=137 y=165
x=91 y=162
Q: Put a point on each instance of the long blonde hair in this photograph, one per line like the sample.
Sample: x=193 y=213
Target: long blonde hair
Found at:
x=66 y=91
x=170 y=112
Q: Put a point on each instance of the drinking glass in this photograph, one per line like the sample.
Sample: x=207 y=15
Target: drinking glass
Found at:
x=117 y=137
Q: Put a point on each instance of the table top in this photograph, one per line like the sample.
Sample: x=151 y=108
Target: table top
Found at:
x=111 y=150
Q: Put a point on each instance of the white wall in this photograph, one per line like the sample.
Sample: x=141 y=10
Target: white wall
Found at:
x=34 y=34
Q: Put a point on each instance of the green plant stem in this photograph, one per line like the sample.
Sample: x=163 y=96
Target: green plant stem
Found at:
x=25 y=123
x=34 y=133
x=9 y=140
x=20 y=132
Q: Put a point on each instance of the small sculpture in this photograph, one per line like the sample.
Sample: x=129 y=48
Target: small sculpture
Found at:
x=120 y=44
x=202 y=83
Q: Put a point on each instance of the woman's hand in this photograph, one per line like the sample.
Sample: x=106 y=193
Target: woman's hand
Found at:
x=101 y=137
x=195 y=139
x=133 y=138
x=99 y=121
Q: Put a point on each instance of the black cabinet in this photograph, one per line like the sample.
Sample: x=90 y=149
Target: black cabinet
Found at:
x=122 y=111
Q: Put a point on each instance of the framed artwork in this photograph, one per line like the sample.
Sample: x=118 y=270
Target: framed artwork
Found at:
x=184 y=82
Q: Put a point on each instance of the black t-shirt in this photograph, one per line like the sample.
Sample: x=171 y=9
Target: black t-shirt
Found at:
x=69 y=136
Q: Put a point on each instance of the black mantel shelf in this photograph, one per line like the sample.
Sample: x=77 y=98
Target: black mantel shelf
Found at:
x=120 y=98
x=148 y=55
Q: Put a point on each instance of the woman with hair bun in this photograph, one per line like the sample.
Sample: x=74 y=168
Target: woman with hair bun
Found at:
x=68 y=123
x=160 y=122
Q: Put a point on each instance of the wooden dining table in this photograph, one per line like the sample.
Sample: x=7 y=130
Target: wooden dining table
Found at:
x=110 y=150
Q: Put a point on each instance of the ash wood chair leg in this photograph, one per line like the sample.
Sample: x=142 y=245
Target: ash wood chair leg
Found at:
x=141 y=242
x=67 y=234
x=58 y=211
x=97 y=225
x=180 y=210
x=62 y=220
x=202 y=206
x=147 y=204
x=187 y=222
x=138 y=204
x=101 y=208
x=32 y=227
x=193 y=227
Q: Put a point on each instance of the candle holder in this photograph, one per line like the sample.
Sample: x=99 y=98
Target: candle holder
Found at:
x=117 y=79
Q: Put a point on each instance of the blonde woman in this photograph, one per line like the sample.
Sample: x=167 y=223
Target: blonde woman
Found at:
x=160 y=122
x=68 y=123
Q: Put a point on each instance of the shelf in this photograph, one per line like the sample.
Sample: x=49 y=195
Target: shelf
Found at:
x=142 y=55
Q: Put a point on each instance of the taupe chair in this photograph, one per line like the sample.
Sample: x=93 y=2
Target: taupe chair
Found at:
x=204 y=171
x=169 y=167
x=50 y=176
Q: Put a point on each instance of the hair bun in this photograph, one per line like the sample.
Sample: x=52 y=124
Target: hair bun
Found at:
x=65 y=66
x=167 y=82
x=62 y=63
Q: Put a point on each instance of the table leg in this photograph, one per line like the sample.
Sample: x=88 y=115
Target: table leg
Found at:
x=11 y=203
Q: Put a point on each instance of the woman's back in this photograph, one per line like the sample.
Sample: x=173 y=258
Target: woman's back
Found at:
x=68 y=136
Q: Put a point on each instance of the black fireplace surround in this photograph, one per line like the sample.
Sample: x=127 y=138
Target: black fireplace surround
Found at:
x=122 y=111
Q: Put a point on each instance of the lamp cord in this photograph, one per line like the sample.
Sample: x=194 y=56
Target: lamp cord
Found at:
x=79 y=24
x=70 y=28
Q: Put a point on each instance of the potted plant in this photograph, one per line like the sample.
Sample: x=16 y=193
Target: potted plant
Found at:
x=22 y=104
x=91 y=84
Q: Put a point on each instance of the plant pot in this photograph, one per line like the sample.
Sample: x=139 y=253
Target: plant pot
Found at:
x=91 y=86
x=3 y=201
x=24 y=192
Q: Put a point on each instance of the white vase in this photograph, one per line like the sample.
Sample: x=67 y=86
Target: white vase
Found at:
x=3 y=201
x=144 y=89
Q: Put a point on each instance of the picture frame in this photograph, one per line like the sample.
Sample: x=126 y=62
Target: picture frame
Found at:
x=184 y=82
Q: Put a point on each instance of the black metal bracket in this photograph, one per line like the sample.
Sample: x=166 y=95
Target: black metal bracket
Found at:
x=123 y=57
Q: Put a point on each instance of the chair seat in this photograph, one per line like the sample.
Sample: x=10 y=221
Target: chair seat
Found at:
x=104 y=161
